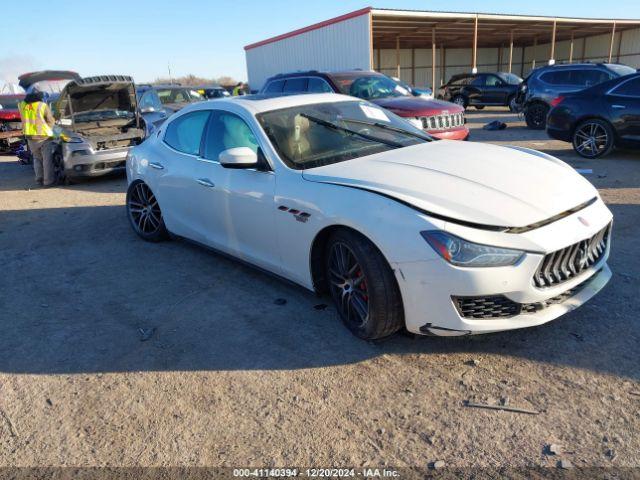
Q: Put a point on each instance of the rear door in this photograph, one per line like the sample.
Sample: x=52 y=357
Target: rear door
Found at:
x=624 y=102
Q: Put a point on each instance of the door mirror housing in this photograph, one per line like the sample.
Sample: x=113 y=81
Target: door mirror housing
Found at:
x=238 y=157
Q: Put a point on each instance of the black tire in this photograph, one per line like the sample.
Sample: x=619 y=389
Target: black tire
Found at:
x=536 y=116
x=479 y=107
x=512 y=103
x=460 y=100
x=593 y=138
x=143 y=211
x=359 y=279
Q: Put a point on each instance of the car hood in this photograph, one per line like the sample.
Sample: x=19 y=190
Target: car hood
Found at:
x=98 y=94
x=27 y=79
x=474 y=183
x=416 y=106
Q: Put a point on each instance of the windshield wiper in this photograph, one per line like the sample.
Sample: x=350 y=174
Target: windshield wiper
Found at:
x=389 y=127
x=333 y=126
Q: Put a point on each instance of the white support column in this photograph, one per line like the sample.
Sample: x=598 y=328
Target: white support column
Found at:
x=571 y=50
x=398 y=56
x=511 y=51
x=552 y=59
x=433 y=60
x=613 y=36
x=474 y=67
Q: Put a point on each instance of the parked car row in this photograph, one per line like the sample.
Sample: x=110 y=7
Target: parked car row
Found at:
x=440 y=119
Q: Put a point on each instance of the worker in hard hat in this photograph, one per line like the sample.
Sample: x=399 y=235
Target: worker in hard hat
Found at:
x=238 y=90
x=37 y=127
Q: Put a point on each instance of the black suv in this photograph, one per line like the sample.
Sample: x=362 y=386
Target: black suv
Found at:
x=599 y=118
x=546 y=83
x=482 y=89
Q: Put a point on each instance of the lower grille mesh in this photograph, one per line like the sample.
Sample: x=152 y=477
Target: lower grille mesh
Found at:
x=499 y=306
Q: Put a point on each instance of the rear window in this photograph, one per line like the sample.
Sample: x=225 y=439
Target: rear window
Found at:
x=295 y=85
x=579 y=78
x=274 y=87
x=621 y=70
x=9 y=103
x=318 y=85
x=464 y=80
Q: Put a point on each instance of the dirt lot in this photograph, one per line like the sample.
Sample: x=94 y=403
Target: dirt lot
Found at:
x=228 y=377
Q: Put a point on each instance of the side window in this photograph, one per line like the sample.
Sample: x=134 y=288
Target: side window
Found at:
x=150 y=100
x=493 y=81
x=227 y=130
x=318 y=85
x=590 y=78
x=185 y=132
x=558 y=77
x=275 y=86
x=295 y=85
x=630 y=88
x=479 y=81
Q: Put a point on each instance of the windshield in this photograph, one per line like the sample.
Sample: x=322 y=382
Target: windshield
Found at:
x=178 y=95
x=370 y=87
x=310 y=136
x=9 y=103
x=621 y=70
x=510 y=78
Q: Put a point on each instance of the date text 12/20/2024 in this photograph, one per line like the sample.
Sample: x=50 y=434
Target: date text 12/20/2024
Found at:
x=316 y=472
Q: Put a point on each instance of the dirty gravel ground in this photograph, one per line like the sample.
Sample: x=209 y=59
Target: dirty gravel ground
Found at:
x=229 y=378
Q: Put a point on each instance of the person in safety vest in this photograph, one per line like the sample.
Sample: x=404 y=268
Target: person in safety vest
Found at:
x=37 y=127
x=237 y=90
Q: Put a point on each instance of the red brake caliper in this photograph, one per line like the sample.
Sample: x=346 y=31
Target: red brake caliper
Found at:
x=363 y=284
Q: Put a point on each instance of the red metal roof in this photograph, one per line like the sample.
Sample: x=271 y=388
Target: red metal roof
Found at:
x=310 y=28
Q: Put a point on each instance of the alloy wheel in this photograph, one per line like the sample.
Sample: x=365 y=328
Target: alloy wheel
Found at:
x=144 y=210
x=591 y=139
x=348 y=285
x=538 y=115
x=459 y=100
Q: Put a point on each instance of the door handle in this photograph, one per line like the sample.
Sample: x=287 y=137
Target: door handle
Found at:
x=156 y=165
x=618 y=106
x=205 y=182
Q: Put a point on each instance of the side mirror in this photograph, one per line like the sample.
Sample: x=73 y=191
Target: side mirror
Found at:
x=238 y=157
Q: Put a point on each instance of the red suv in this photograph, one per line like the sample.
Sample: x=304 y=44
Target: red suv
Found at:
x=10 y=122
x=438 y=118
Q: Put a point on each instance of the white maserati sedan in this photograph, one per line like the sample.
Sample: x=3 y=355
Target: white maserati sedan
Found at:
x=401 y=230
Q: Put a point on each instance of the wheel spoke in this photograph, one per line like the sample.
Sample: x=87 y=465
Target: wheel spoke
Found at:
x=360 y=307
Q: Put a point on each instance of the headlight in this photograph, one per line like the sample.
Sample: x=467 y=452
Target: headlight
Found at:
x=416 y=122
x=67 y=139
x=462 y=253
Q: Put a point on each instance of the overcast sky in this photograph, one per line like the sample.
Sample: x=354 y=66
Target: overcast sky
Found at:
x=203 y=37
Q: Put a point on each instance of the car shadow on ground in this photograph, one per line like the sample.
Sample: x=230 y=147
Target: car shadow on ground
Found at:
x=80 y=292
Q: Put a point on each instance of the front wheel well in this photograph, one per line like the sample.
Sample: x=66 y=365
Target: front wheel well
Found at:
x=318 y=251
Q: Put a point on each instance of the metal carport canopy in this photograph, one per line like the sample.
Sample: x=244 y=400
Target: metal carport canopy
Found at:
x=415 y=29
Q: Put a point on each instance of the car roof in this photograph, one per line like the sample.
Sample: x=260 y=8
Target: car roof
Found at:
x=317 y=73
x=266 y=102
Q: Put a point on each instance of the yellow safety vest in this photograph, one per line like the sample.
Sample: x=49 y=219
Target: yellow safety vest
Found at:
x=33 y=119
x=236 y=91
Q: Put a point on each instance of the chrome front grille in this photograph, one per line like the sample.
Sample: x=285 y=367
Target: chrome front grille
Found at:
x=442 y=122
x=562 y=265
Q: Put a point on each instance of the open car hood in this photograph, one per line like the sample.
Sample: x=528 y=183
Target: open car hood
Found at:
x=479 y=184
x=114 y=93
x=27 y=79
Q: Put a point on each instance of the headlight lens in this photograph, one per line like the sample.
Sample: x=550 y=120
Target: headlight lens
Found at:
x=67 y=139
x=462 y=253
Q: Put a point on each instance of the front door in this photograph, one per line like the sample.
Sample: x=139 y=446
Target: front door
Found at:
x=242 y=215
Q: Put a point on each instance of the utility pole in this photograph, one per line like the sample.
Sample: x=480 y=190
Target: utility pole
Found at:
x=169 y=68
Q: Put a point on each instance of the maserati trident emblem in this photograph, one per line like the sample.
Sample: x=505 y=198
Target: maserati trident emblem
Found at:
x=583 y=221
